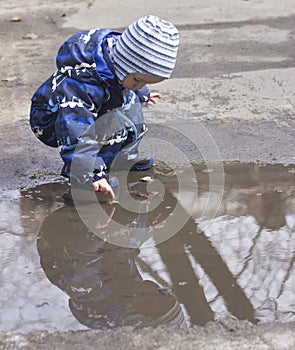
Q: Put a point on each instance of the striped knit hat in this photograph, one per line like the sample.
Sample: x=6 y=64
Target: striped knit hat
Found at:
x=147 y=46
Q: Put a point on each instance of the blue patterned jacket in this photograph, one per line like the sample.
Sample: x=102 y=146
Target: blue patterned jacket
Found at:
x=73 y=99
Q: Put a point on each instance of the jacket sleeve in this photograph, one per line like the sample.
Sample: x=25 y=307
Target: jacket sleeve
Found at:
x=75 y=129
x=143 y=95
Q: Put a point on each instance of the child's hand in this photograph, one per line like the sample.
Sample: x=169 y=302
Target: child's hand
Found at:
x=103 y=186
x=153 y=98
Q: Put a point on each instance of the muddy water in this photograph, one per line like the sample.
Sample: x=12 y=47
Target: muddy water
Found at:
x=56 y=274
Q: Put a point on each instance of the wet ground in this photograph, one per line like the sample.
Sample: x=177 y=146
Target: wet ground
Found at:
x=59 y=275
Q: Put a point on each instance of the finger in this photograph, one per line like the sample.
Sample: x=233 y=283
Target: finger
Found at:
x=107 y=190
x=156 y=94
x=111 y=192
x=95 y=186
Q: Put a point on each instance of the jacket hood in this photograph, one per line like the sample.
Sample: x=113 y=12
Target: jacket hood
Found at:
x=86 y=56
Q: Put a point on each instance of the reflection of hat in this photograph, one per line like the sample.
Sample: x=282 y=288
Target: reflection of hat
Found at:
x=147 y=307
x=147 y=46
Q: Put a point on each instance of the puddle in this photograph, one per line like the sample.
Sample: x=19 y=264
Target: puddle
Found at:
x=58 y=275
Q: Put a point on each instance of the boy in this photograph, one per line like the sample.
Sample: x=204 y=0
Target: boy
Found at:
x=98 y=71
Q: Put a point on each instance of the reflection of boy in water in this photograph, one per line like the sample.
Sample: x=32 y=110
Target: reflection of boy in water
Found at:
x=102 y=280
